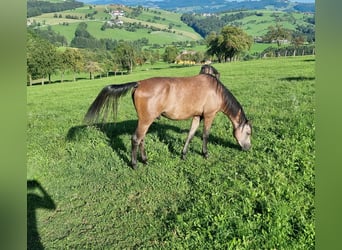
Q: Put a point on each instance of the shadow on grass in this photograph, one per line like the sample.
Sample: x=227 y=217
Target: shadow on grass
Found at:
x=114 y=131
x=297 y=78
x=310 y=60
x=36 y=201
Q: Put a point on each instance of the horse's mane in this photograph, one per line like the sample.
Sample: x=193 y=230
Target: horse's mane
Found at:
x=232 y=106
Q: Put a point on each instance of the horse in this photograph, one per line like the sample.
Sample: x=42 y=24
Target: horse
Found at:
x=208 y=69
x=199 y=97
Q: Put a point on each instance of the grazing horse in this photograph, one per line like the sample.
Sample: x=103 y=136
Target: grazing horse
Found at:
x=208 y=69
x=177 y=98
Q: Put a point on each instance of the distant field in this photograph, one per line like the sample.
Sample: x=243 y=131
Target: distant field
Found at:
x=260 y=199
x=258 y=47
x=258 y=25
x=180 y=31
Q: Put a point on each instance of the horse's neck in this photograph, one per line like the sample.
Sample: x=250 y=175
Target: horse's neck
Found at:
x=234 y=119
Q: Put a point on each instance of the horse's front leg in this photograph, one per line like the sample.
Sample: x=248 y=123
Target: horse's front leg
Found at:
x=194 y=125
x=206 y=129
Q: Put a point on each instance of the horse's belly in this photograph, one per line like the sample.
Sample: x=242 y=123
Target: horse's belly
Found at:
x=181 y=114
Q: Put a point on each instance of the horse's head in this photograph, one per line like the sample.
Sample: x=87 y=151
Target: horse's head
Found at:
x=243 y=135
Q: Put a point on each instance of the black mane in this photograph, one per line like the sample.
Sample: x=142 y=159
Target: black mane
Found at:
x=209 y=70
x=232 y=106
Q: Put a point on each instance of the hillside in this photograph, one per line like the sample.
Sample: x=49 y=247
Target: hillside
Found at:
x=205 y=6
x=162 y=27
x=255 y=23
x=158 y=26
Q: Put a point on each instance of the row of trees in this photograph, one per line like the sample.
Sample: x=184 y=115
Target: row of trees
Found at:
x=45 y=60
x=36 y=8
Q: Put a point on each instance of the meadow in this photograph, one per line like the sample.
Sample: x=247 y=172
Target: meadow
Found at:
x=83 y=194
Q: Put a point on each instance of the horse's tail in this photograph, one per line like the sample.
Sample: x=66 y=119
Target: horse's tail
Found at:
x=106 y=99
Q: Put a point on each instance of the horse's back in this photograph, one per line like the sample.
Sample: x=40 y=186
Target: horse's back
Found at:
x=194 y=85
x=176 y=97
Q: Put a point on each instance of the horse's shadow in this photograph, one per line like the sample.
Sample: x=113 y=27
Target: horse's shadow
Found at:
x=115 y=131
x=37 y=198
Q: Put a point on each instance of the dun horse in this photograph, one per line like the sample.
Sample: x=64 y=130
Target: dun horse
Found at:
x=198 y=97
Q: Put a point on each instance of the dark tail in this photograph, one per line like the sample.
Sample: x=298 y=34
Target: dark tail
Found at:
x=106 y=99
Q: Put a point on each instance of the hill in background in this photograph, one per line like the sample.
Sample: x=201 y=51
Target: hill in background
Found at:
x=158 y=26
x=210 y=6
x=164 y=27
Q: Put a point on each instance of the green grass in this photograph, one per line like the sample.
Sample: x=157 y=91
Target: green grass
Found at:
x=259 y=47
x=260 y=199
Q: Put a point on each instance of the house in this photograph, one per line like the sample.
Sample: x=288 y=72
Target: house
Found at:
x=112 y=23
x=116 y=13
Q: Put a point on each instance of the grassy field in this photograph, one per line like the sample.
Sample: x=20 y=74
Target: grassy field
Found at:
x=82 y=193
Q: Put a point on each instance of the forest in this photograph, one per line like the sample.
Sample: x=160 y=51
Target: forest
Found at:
x=35 y=8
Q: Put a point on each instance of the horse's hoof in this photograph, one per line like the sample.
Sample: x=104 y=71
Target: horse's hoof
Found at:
x=134 y=166
x=183 y=157
x=205 y=155
x=144 y=162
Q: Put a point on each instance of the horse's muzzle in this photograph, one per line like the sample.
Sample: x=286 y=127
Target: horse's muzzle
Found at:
x=245 y=147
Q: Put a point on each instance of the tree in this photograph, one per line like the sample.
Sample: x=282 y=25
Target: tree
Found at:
x=42 y=58
x=83 y=39
x=71 y=59
x=63 y=65
x=126 y=55
x=154 y=57
x=92 y=67
x=277 y=33
x=91 y=63
x=297 y=41
x=229 y=43
x=106 y=59
x=198 y=57
x=170 y=54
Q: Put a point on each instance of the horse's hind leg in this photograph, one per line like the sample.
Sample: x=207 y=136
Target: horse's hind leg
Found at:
x=143 y=152
x=138 y=141
x=208 y=120
x=194 y=125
